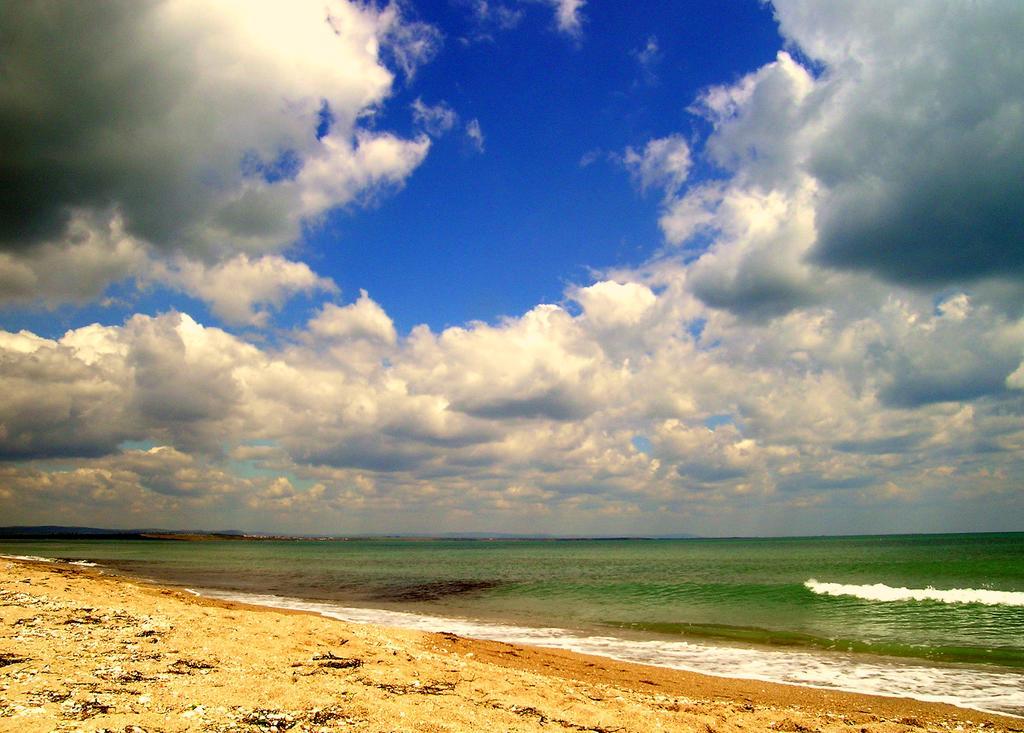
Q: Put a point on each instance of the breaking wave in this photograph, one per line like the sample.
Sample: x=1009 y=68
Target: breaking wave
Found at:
x=29 y=558
x=885 y=593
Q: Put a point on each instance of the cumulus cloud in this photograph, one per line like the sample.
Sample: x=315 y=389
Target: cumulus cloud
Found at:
x=609 y=304
x=237 y=288
x=363 y=319
x=213 y=131
x=535 y=366
x=917 y=137
x=78 y=269
x=755 y=264
x=664 y=163
x=908 y=130
x=531 y=419
x=60 y=403
x=885 y=158
x=960 y=353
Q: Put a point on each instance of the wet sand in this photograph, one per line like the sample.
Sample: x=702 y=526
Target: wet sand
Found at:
x=80 y=650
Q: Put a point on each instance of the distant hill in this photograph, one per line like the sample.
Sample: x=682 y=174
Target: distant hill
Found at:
x=59 y=532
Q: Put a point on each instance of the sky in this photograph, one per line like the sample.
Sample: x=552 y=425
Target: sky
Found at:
x=519 y=266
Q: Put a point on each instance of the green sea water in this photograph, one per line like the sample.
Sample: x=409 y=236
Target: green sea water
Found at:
x=943 y=601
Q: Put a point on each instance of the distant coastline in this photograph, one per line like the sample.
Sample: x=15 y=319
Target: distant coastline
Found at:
x=58 y=532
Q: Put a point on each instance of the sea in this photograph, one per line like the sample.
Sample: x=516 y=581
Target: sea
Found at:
x=932 y=617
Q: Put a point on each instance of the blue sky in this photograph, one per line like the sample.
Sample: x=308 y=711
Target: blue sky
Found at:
x=745 y=268
x=524 y=218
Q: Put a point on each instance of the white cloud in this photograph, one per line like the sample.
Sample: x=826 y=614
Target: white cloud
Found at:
x=79 y=269
x=531 y=419
x=1016 y=379
x=756 y=265
x=758 y=123
x=878 y=164
x=435 y=119
x=411 y=43
x=363 y=319
x=237 y=288
x=568 y=16
x=648 y=59
x=490 y=16
x=909 y=129
x=609 y=303
x=217 y=130
x=664 y=163
x=539 y=365
x=475 y=135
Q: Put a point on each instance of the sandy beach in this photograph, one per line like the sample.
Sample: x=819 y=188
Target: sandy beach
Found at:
x=80 y=650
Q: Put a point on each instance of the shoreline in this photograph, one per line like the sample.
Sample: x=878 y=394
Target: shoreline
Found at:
x=579 y=642
x=122 y=652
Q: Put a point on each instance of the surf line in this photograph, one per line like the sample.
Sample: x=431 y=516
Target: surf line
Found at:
x=886 y=593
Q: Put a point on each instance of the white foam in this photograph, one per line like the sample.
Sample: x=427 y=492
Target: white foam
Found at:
x=29 y=558
x=881 y=592
x=36 y=558
x=989 y=691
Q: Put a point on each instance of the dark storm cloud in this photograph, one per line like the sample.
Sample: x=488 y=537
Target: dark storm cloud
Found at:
x=882 y=445
x=185 y=127
x=922 y=159
x=365 y=452
x=758 y=294
x=554 y=404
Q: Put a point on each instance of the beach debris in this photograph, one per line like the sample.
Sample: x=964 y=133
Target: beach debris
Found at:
x=17 y=711
x=45 y=696
x=415 y=688
x=323 y=716
x=118 y=674
x=543 y=718
x=187 y=666
x=7 y=659
x=330 y=660
x=27 y=600
x=269 y=719
x=84 y=709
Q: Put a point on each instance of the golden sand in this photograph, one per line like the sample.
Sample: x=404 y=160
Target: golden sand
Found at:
x=84 y=651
